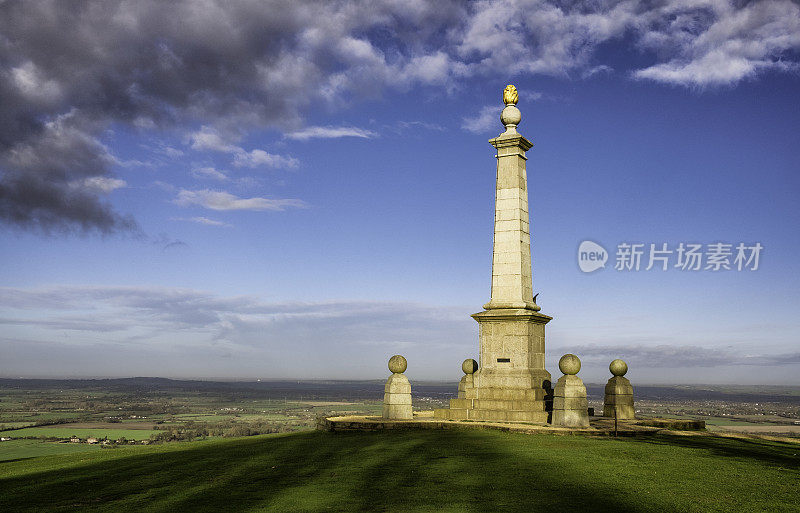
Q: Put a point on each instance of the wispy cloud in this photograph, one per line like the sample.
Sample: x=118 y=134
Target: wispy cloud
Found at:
x=187 y=330
x=102 y=184
x=330 y=132
x=208 y=139
x=209 y=172
x=486 y=120
x=258 y=158
x=202 y=220
x=668 y=355
x=131 y=66
x=221 y=200
x=597 y=70
x=720 y=44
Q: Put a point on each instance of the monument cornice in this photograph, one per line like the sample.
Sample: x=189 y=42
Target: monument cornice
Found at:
x=505 y=314
x=511 y=140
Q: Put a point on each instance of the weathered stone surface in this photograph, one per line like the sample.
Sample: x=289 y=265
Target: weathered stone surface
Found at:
x=619 y=396
x=397 y=393
x=509 y=394
x=570 y=406
x=569 y=364
x=570 y=418
x=397 y=384
x=511 y=383
x=624 y=412
x=570 y=403
x=398 y=364
x=465 y=386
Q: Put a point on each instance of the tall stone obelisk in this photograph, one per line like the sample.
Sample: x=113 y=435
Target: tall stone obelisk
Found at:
x=511 y=383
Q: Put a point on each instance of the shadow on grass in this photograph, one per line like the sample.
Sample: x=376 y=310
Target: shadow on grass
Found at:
x=770 y=452
x=468 y=471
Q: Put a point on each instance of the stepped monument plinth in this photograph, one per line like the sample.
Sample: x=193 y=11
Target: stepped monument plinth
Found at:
x=511 y=383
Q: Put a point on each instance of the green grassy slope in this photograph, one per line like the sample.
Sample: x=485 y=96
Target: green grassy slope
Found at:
x=461 y=471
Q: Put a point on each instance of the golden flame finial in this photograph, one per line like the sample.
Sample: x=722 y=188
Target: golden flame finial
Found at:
x=510 y=96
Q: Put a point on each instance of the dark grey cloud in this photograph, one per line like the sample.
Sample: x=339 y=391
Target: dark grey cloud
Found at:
x=70 y=69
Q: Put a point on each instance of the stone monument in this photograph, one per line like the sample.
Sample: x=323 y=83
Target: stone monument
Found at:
x=570 y=406
x=511 y=383
x=619 y=393
x=397 y=392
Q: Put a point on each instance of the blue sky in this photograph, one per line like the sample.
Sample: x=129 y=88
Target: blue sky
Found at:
x=305 y=190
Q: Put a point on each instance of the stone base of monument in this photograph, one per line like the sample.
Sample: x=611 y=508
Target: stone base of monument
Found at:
x=618 y=402
x=570 y=406
x=512 y=384
x=498 y=404
x=619 y=396
x=397 y=392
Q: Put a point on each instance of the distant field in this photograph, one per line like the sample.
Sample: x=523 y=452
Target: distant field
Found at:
x=15 y=425
x=19 y=449
x=116 y=426
x=415 y=471
x=64 y=431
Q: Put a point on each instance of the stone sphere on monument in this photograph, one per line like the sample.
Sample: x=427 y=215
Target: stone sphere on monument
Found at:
x=469 y=366
x=618 y=367
x=398 y=364
x=569 y=364
x=510 y=116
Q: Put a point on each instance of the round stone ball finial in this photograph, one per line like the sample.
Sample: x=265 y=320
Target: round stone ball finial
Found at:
x=398 y=364
x=469 y=366
x=618 y=367
x=569 y=364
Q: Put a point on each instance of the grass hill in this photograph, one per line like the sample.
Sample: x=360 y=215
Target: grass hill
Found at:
x=405 y=471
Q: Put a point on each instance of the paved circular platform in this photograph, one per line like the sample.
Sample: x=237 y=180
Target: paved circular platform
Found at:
x=599 y=426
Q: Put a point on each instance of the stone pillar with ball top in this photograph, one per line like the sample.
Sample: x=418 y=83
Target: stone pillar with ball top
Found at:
x=511 y=383
x=619 y=393
x=570 y=406
x=467 y=383
x=397 y=392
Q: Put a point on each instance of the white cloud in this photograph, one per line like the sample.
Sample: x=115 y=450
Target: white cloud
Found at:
x=202 y=220
x=181 y=331
x=486 y=120
x=597 y=70
x=213 y=68
x=169 y=151
x=330 y=132
x=220 y=200
x=103 y=184
x=186 y=329
x=31 y=83
x=680 y=356
x=725 y=46
x=209 y=139
x=257 y=158
x=209 y=172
